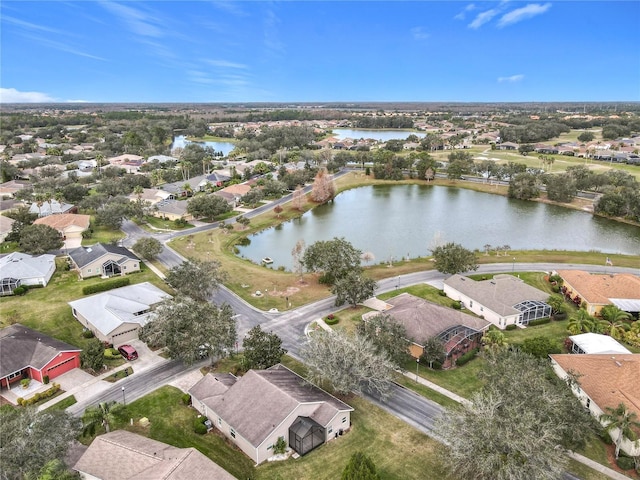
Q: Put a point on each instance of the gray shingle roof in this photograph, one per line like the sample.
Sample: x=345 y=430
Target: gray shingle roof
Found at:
x=123 y=455
x=82 y=256
x=262 y=399
x=22 y=266
x=21 y=346
x=423 y=320
x=108 y=310
x=498 y=294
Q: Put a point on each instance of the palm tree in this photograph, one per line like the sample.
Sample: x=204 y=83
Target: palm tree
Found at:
x=105 y=414
x=615 y=329
x=611 y=313
x=494 y=339
x=582 y=322
x=623 y=420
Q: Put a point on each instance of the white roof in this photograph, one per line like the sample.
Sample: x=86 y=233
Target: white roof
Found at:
x=22 y=266
x=595 y=343
x=108 y=310
x=626 y=304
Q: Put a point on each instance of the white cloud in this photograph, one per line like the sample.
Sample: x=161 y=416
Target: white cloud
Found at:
x=483 y=18
x=529 y=11
x=136 y=20
x=11 y=95
x=78 y=101
x=226 y=64
x=511 y=79
x=32 y=26
x=418 y=33
x=229 y=7
x=464 y=12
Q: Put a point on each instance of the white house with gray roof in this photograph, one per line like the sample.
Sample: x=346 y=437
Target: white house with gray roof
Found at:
x=502 y=300
x=255 y=410
x=116 y=316
x=103 y=260
x=18 y=269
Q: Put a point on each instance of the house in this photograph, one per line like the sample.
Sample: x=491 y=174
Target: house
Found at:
x=598 y=290
x=104 y=260
x=117 y=315
x=503 y=300
x=260 y=407
x=422 y=320
x=507 y=146
x=151 y=195
x=233 y=193
x=172 y=210
x=594 y=343
x=6 y=226
x=10 y=188
x=69 y=225
x=52 y=207
x=123 y=455
x=18 y=269
x=604 y=381
x=27 y=353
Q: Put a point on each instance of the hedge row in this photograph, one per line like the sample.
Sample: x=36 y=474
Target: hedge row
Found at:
x=539 y=321
x=40 y=396
x=104 y=286
x=470 y=355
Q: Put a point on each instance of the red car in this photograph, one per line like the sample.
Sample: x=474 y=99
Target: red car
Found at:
x=128 y=352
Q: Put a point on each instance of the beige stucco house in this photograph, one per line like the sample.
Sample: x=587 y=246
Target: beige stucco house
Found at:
x=116 y=316
x=260 y=407
x=104 y=260
x=604 y=381
x=69 y=225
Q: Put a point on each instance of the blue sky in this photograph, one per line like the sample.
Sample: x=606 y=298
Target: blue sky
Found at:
x=319 y=51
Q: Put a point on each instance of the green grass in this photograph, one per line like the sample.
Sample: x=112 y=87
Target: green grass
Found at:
x=9 y=247
x=426 y=392
x=46 y=310
x=163 y=224
x=120 y=374
x=64 y=403
x=462 y=380
x=102 y=234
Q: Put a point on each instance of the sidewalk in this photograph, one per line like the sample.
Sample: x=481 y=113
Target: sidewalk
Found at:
x=597 y=466
x=437 y=388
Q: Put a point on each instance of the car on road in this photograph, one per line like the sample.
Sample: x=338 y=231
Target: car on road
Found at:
x=128 y=352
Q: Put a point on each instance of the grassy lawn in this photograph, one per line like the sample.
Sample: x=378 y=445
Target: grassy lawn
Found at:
x=162 y=224
x=46 y=310
x=102 y=234
x=63 y=404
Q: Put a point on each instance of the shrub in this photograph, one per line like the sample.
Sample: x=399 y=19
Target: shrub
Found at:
x=55 y=388
x=104 y=286
x=86 y=333
x=20 y=401
x=442 y=293
x=539 y=321
x=331 y=320
x=467 y=357
x=186 y=399
x=200 y=429
x=555 y=278
x=280 y=447
x=511 y=326
x=111 y=354
x=25 y=382
x=21 y=290
x=456 y=305
x=625 y=463
x=45 y=379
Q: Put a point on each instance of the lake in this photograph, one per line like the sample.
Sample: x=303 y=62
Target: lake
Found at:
x=224 y=147
x=404 y=220
x=380 y=135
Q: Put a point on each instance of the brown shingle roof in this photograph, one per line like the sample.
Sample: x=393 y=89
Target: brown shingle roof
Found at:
x=123 y=455
x=600 y=288
x=607 y=379
x=423 y=319
x=64 y=220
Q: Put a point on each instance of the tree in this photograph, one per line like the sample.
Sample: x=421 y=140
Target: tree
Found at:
x=56 y=470
x=112 y=215
x=261 y=349
x=29 y=439
x=561 y=188
x=518 y=425
x=197 y=279
x=347 y=363
x=207 y=206
x=353 y=288
x=433 y=351
x=453 y=258
x=23 y=218
x=278 y=210
x=39 y=239
x=540 y=347
x=387 y=335
x=622 y=421
x=586 y=136
x=557 y=304
x=148 y=247
x=104 y=415
x=334 y=258
x=581 y=322
x=190 y=329
x=323 y=188
x=524 y=186
x=360 y=467
x=297 y=254
x=297 y=199
x=93 y=355
x=494 y=339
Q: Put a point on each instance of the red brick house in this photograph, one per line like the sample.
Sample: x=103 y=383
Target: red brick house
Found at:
x=27 y=353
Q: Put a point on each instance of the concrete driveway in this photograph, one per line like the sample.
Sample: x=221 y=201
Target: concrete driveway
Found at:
x=147 y=358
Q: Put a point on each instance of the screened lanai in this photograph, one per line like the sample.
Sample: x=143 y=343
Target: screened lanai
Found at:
x=531 y=310
x=8 y=285
x=305 y=434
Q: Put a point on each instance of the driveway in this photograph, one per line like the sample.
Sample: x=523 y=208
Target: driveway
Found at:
x=147 y=358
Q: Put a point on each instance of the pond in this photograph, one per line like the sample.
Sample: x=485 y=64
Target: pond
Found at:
x=380 y=135
x=396 y=221
x=224 y=147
